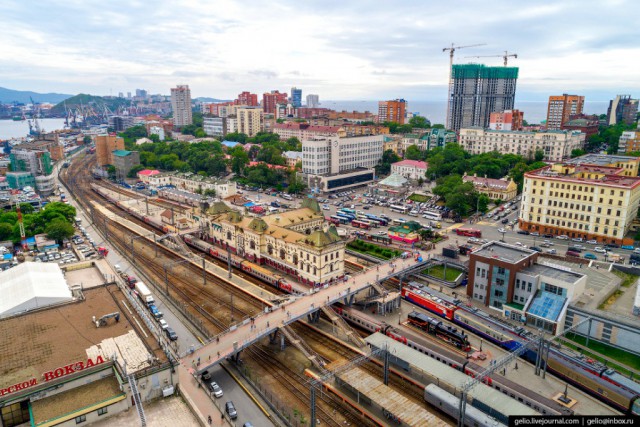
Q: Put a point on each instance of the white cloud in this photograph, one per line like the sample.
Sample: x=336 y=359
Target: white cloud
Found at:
x=341 y=50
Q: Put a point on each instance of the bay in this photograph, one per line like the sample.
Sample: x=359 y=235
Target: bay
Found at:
x=19 y=129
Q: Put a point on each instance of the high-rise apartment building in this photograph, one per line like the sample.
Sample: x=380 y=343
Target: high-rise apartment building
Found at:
x=392 y=111
x=296 y=97
x=249 y=120
x=181 y=105
x=141 y=93
x=561 y=108
x=476 y=91
x=622 y=109
x=506 y=120
x=629 y=142
x=247 y=98
x=313 y=101
x=271 y=99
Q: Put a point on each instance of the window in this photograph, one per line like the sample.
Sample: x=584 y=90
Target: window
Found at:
x=81 y=419
x=500 y=270
x=102 y=411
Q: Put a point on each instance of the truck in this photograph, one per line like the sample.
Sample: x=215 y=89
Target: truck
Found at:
x=144 y=293
x=618 y=259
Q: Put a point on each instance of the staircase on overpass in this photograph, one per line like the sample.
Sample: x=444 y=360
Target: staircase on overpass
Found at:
x=338 y=321
x=301 y=345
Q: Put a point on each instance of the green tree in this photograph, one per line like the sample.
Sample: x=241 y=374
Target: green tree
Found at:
x=296 y=185
x=87 y=139
x=239 y=159
x=59 y=230
x=154 y=137
x=388 y=157
x=235 y=136
x=111 y=170
x=419 y=122
x=577 y=152
x=539 y=156
x=26 y=208
x=133 y=173
x=6 y=230
x=293 y=144
x=210 y=192
x=483 y=203
x=413 y=153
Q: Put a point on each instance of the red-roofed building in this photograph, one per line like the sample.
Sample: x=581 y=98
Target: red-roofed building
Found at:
x=268 y=165
x=303 y=130
x=144 y=175
x=410 y=169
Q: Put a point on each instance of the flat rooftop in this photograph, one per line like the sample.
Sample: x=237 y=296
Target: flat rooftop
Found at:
x=600 y=159
x=38 y=342
x=557 y=273
x=503 y=252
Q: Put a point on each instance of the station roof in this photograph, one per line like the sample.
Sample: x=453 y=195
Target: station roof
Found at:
x=489 y=396
x=504 y=252
x=547 y=306
x=32 y=285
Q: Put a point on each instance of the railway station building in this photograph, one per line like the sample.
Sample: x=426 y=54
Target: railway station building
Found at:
x=522 y=286
x=74 y=362
x=298 y=242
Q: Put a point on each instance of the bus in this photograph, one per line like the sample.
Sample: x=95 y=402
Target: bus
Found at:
x=338 y=220
x=347 y=210
x=333 y=221
x=348 y=217
x=360 y=224
x=398 y=221
x=399 y=209
x=433 y=216
x=469 y=232
x=376 y=222
x=383 y=222
x=361 y=216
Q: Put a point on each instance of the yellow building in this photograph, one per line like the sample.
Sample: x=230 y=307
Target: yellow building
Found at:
x=580 y=200
x=391 y=142
x=495 y=189
x=249 y=120
x=298 y=242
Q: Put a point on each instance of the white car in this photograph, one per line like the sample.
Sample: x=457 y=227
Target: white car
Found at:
x=215 y=389
x=163 y=324
x=577 y=239
x=382 y=233
x=562 y=237
x=473 y=240
x=325 y=207
x=552 y=251
x=501 y=230
x=592 y=242
x=600 y=250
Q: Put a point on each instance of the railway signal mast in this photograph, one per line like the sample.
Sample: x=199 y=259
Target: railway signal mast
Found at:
x=452 y=51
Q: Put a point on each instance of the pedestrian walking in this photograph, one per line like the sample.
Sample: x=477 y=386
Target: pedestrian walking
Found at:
x=209 y=420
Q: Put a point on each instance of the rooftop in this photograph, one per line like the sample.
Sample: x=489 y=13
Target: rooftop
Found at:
x=149 y=172
x=603 y=175
x=394 y=180
x=600 y=159
x=503 y=252
x=411 y=163
x=40 y=341
x=487 y=182
x=566 y=276
x=121 y=153
x=547 y=305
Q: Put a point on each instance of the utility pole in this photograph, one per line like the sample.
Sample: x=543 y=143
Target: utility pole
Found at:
x=204 y=273
x=229 y=260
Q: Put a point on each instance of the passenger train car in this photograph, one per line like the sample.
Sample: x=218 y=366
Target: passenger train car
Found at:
x=620 y=392
x=449 y=404
x=450 y=358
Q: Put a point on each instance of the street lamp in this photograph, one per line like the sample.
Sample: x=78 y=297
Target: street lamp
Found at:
x=503 y=232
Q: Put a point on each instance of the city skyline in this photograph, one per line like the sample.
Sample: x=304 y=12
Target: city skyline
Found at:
x=111 y=48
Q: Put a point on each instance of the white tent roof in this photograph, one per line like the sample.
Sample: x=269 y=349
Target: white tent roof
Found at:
x=32 y=285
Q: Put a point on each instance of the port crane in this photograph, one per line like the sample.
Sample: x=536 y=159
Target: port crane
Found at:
x=34 y=128
x=452 y=51
x=505 y=56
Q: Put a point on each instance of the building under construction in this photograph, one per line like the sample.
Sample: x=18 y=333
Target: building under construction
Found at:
x=476 y=91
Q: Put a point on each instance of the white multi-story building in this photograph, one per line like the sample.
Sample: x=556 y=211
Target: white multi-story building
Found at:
x=181 y=105
x=303 y=131
x=214 y=126
x=334 y=163
x=410 y=169
x=313 y=101
x=193 y=183
x=232 y=124
x=249 y=120
x=157 y=130
x=556 y=145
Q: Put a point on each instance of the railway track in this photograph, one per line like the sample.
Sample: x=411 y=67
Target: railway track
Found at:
x=297 y=387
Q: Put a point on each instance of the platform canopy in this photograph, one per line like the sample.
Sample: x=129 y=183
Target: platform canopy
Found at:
x=32 y=285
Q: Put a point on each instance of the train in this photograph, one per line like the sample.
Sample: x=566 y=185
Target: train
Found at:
x=587 y=374
x=454 y=360
x=440 y=330
x=449 y=404
x=251 y=268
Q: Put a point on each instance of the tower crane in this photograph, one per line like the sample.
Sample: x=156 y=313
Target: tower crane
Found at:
x=505 y=56
x=452 y=51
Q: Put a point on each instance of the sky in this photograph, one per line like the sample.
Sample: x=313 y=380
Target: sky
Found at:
x=341 y=50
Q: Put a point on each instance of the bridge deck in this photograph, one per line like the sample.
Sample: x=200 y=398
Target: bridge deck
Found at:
x=241 y=336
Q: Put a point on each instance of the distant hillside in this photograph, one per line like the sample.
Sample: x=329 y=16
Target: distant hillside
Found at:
x=86 y=100
x=206 y=99
x=7 y=96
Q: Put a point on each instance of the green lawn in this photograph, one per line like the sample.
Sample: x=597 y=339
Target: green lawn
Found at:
x=371 y=249
x=599 y=348
x=420 y=198
x=627 y=279
x=438 y=271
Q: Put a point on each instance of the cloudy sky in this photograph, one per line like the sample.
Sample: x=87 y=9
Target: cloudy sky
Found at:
x=343 y=50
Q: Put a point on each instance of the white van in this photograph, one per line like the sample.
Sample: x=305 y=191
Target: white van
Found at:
x=287 y=197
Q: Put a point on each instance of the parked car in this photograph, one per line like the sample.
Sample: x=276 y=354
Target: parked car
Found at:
x=535 y=233
x=552 y=251
x=171 y=334
x=572 y=253
x=577 y=239
x=612 y=245
x=628 y=247
x=505 y=221
x=562 y=237
x=501 y=230
x=231 y=410
x=548 y=236
x=163 y=324
x=592 y=242
x=535 y=248
x=600 y=250
x=525 y=232
x=589 y=255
